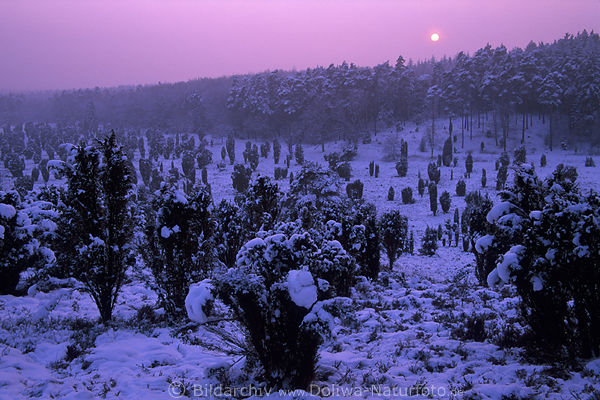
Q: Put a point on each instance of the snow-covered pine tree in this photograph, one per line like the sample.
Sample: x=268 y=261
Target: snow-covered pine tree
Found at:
x=393 y=230
x=95 y=229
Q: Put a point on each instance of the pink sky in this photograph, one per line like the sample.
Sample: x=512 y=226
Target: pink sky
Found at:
x=52 y=44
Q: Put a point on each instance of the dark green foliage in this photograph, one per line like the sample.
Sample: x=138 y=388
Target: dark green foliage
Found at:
x=407 y=196
x=447 y=153
x=178 y=244
x=421 y=187
x=433 y=172
x=433 y=201
x=589 y=162
x=203 y=157
x=276 y=151
x=280 y=173
x=35 y=174
x=241 y=177
x=501 y=177
x=19 y=249
x=261 y=205
x=344 y=170
x=429 y=243
x=469 y=164
x=94 y=232
x=188 y=165
x=520 y=155
x=461 y=188
x=445 y=201
x=354 y=190
x=284 y=341
x=474 y=225
x=299 y=154
x=393 y=230
x=552 y=257
x=230 y=233
x=230 y=145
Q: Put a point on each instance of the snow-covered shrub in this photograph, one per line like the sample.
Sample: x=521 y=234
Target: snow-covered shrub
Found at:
x=520 y=155
x=274 y=292
x=261 y=205
x=553 y=259
x=461 y=188
x=483 y=178
x=276 y=151
x=354 y=190
x=230 y=145
x=178 y=246
x=589 y=162
x=433 y=171
x=429 y=243
x=469 y=164
x=433 y=200
x=96 y=224
x=241 y=177
x=421 y=187
x=19 y=246
x=280 y=173
x=445 y=201
x=447 y=153
x=407 y=195
x=230 y=234
x=203 y=157
x=393 y=228
x=501 y=177
x=402 y=165
x=474 y=225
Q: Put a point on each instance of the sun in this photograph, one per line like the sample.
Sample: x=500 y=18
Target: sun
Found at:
x=435 y=37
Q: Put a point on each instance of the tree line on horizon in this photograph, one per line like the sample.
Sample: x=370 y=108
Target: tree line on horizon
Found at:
x=559 y=82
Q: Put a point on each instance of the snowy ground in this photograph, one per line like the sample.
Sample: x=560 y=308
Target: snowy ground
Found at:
x=435 y=333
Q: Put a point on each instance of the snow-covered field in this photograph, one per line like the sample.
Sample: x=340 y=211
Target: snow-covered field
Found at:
x=435 y=334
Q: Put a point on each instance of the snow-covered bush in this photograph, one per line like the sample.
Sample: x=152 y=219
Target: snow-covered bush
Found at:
x=433 y=200
x=407 y=195
x=178 y=244
x=469 y=164
x=230 y=234
x=241 y=177
x=461 y=188
x=354 y=190
x=274 y=292
x=474 y=225
x=433 y=171
x=261 y=205
x=553 y=257
x=429 y=243
x=96 y=224
x=393 y=227
x=19 y=246
x=445 y=201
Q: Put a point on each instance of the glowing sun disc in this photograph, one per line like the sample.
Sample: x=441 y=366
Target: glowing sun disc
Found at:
x=435 y=37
